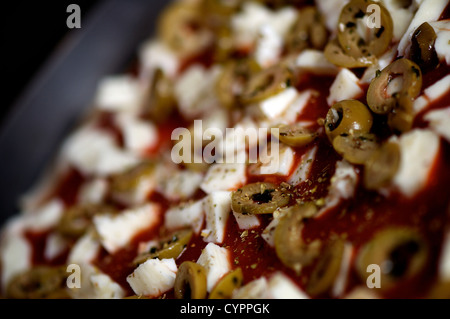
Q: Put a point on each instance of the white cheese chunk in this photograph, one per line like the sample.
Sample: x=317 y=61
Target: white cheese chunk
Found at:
x=246 y=221
x=138 y=135
x=179 y=184
x=45 y=217
x=106 y=288
x=340 y=283
x=223 y=177
x=275 y=105
x=345 y=86
x=303 y=169
x=55 y=244
x=315 y=62
x=117 y=230
x=432 y=93
x=444 y=263
x=269 y=47
x=215 y=260
x=419 y=150
x=282 y=287
x=255 y=289
x=15 y=257
x=442 y=43
x=296 y=108
x=401 y=17
x=118 y=93
x=429 y=10
x=95 y=152
x=268 y=233
x=85 y=249
x=156 y=55
x=93 y=191
x=189 y=214
x=217 y=207
x=278 y=159
x=153 y=277
x=330 y=10
x=440 y=122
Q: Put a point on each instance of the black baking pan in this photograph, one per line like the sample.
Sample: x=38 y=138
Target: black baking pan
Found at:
x=64 y=88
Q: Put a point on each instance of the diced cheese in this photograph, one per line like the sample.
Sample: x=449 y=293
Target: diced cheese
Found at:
x=156 y=55
x=401 y=17
x=432 y=93
x=188 y=214
x=223 y=177
x=244 y=134
x=340 y=283
x=255 y=289
x=246 y=221
x=153 y=277
x=268 y=233
x=278 y=159
x=296 y=108
x=275 y=105
x=45 y=217
x=429 y=10
x=215 y=260
x=93 y=191
x=194 y=90
x=442 y=43
x=269 y=47
x=440 y=122
x=138 y=135
x=315 y=62
x=217 y=207
x=15 y=256
x=95 y=152
x=282 y=287
x=85 y=249
x=105 y=288
x=330 y=10
x=419 y=150
x=119 y=93
x=444 y=263
x=117 y=230
x=302 y=171
x=54 y=245
x=179 y=184
x=345 y=86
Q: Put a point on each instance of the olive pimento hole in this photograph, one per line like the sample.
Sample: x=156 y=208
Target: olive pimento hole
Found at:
x=401 y=257
x=264 y=197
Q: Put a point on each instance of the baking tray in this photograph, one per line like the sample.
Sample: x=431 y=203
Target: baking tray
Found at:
x=64 y=88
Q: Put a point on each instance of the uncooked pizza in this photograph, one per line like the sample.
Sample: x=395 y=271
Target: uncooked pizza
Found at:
x=256 y=149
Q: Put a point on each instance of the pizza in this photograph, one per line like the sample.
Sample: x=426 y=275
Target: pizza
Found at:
x=256 y=149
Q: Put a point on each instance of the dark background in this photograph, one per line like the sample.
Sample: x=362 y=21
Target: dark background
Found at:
x=30 y=32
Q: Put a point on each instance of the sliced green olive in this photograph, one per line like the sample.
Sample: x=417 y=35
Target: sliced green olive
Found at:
x=326 y=269
x=337 y=55
x=267 y=83
x=382 y=100
x=295 y=135
x=159 y=100
x=78 y=219
x=190 y=282
x=308 y=32
x=169 y=247
x=347 y=117
x=381 y=167
x=126 y=183
x=400 y=252
x=422 y=47
x=258 y=198
x=357 y=36
x=40 y=282
x=225 y=287
x=231 y=82
x=290 y=247
x=356 y=148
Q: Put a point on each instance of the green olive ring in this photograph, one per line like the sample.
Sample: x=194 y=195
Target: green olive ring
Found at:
x=377 y=97
x=308 y=32
x=169 y=247
x=190 y=282
x=225 y=287
x=382 y=166
x=348 y=37
x=346 y=118
x=38 y=283
x=290 y=247
x=258 y=198
x=266 y=83
x=337 y=55
x=356 y=148
x=327 y=268
x=295 y=135
x=401 y=252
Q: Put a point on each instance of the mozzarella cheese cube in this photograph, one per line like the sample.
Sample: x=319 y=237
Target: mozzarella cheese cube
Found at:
x=84 y=250
x=345 y=86
x=180 y=185
x=275 y=105
x=217 y=207
x=440 y=122
x=156 y=55
x=432 y=93
x=215 y=260
x=118 y=93
x=330 y=10
x=15 y=257
x=223 y=177
x=246 y=221
x=45 y=217
x=442 y=43
x=54 y=245
x=269 y=47
x=295 y=109
x=302 y=171
x=278 y=159
x=106 y=288
x=188 y=214
x=117 y=230
x=401 y=17
x=138 y=135
x=315 y=62
x=93 y=191
x=153 y=277
x=340 y=283
x=243 y=134
x=419 y=151
x=255 y=289
x=282 y=287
